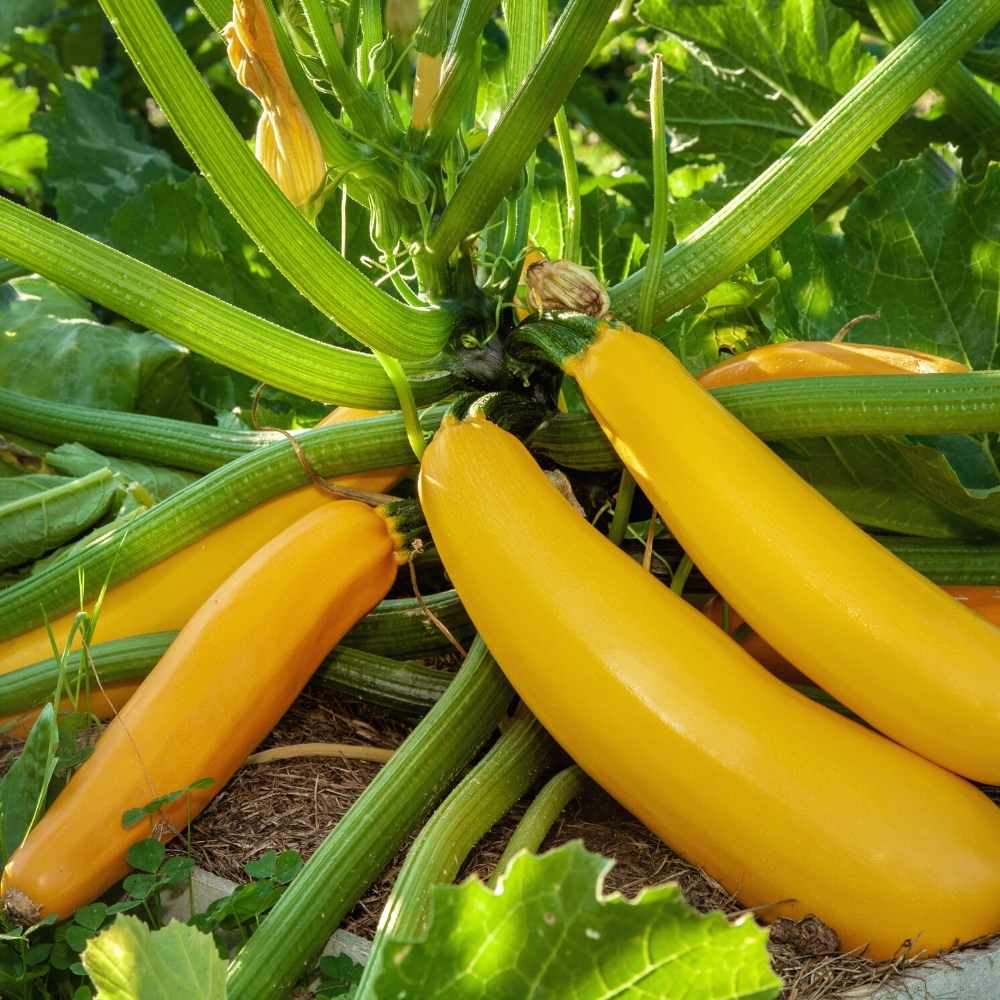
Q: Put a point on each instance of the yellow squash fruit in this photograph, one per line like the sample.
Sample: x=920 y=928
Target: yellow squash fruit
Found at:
x=792 y=807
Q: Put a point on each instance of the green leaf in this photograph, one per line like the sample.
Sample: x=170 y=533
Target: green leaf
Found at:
x=22 y=152
x=52 y=346
x=866 y=479
x=91 y=916
x=77 y=460
x=24 y=786
x=922 y=250
x=128 y=961
x=747 y=79
x=95 y=161
x=549 y=930
x=147 y=855
x=36 y=524
x=20 y=13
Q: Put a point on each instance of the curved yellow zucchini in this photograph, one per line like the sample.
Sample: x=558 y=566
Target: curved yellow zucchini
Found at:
x=775 y=796
x=872 y=632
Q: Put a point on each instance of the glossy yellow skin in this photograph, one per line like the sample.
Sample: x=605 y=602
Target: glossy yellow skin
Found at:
x=166 y=595
x=218 y=691
x=983 y=600
x=773 y=795
x=872 y=632
x=809 y=359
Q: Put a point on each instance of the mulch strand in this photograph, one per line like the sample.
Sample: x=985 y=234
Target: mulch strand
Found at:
x=293 y=804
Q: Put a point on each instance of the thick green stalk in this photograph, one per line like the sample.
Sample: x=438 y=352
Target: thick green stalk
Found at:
x=484 y=796
x=540 y=816
x=574 y=212
x=768 y=206
x=812 y=407
x=968 y=102
x=364 y=841
x=191 y=513
x=326 y=278
x=372 y=34
x=403 y=687
x=400 y=626
x=527 y=25
x=523 y=124
x=458 y=75
x=220 y=331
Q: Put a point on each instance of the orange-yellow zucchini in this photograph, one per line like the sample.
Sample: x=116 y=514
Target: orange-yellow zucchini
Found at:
x=218 y=691
x=775 y=796
x=166 y=595
x=812 y=358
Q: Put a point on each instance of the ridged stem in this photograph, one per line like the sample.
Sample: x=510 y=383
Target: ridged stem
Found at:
x=365 y=112
x=968 y=102
x=661 y=200
x=574 y=211
x=364 y=841
x=623 y=507
x=216 y=329
x=769 y=205
x=481 y=799
x=540 y=816
x=375 y=443
x=523 y=124
x=298 y=250
x=403 y=687
x=458 y=75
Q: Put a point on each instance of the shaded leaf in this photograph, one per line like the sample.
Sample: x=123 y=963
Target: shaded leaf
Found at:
x=549 y=931
x=95 y=160
x=24 y=786
x=54 y=348
x=36 y=524
x=77 y=460
x=128 y=961
x=146 y=855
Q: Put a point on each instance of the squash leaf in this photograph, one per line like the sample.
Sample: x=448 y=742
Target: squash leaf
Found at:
x=54 y=347
x=78 y=460
x=128 y=961
x=549 y=931
x=22 y=152
x=921 y=249
x=24 y=787
x=41 y=521
x=747 y=79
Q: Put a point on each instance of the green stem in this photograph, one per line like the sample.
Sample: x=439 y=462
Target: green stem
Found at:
x=407 y=404
x=681 y=574
x=574 y=213
x=220 y=331
x=523 y=124
x=623 y=508
x=372 y=34
x=191 y=513
x=880 y=405
x=459 y=78
x=540 y=816
x=661 y=201
x=365 y=113
x=404 y=687
x=481 y=799
x=364 y=841
x=326 y=278
x=769 y=205
x=968 y=102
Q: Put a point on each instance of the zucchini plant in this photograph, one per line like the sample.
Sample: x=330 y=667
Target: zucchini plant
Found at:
x=221 y=220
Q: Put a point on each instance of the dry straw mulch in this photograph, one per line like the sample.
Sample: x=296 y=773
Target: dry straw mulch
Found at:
x=293 y=804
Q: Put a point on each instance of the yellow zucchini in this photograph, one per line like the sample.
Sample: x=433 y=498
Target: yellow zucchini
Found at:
x=791 y=807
